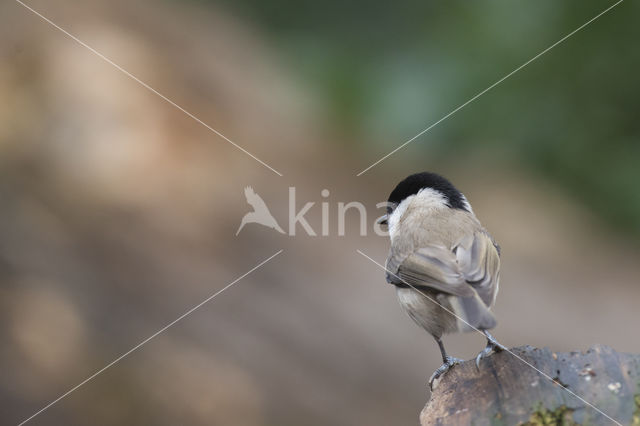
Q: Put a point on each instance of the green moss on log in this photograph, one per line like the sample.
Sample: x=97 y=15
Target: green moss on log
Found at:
x=561 y=416
x=636 y=413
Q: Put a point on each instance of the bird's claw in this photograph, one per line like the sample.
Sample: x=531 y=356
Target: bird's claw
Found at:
x=448 y=364
x=492 y=346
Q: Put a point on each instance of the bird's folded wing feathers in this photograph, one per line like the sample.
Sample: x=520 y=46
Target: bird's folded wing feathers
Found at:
x=466 y=277
x=479 y=262
x=434 y=267
x=472 y=267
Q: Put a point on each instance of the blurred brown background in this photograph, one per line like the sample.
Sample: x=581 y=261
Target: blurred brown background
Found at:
x=118 y=212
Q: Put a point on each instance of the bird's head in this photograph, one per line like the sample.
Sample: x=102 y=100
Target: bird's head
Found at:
x=433 y=190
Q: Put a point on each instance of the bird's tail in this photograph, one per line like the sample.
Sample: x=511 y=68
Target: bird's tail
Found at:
x=472 y=313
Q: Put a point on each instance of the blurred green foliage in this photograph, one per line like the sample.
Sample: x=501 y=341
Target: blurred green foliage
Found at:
x=386 y=70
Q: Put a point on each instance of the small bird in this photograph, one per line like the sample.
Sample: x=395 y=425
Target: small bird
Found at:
x=260 y=213
x=442 y=262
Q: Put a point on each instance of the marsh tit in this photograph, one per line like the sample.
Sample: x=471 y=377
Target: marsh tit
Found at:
x=444 y=264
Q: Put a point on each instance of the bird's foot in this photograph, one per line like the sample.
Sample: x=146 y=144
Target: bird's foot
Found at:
x=492 y=346
x=450 y=362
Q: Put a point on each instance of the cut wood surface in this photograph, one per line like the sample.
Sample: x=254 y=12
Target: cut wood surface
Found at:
x=506 y=391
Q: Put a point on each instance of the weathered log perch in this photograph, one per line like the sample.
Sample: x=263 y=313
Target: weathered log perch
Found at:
x=506 y=391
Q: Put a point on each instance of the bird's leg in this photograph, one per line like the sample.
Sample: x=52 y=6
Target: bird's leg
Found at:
x=448 y=362
x=492 y=346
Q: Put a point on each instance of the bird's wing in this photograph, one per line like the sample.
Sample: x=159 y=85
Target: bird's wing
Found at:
x=472 y=266
x=433 y=267
x=254 y=199
x=479 y=260
x=466 y=276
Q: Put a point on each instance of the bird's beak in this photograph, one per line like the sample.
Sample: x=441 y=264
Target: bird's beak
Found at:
x=382 y=220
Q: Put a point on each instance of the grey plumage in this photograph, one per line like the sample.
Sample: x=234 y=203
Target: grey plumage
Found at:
x=444 y=264
x=448 y=255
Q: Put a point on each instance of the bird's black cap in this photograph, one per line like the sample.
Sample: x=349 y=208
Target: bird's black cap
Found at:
x=414 y=183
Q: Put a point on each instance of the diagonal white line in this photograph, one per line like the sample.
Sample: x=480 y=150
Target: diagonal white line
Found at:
x=490 y=87
x=146 y=86
x=506 y=350
x=190 y=311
